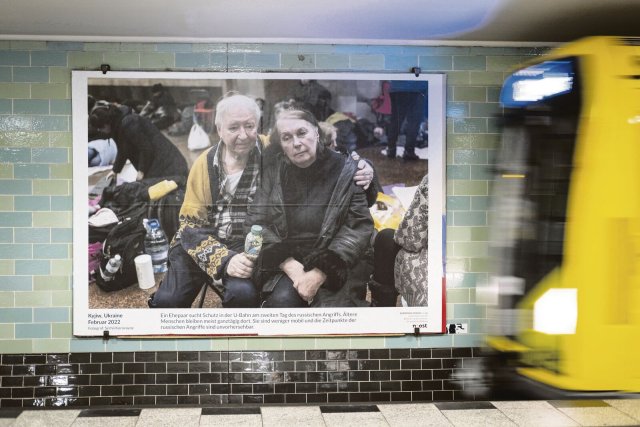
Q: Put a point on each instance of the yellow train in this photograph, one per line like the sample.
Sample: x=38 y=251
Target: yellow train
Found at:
x=565 y=221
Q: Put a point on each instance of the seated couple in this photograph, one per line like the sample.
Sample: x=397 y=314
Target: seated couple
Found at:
x=309 y=200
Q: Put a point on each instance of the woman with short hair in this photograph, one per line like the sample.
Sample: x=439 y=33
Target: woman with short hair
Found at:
x=316 y=220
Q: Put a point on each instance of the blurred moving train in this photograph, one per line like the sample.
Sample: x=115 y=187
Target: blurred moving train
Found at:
x=565 y=217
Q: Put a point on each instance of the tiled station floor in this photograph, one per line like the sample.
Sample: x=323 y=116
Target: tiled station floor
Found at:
x=521 y=413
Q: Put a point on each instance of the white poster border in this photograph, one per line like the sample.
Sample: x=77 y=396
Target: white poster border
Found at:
x=261 y=322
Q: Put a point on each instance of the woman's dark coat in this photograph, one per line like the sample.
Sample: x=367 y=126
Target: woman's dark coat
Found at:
x=344 y=237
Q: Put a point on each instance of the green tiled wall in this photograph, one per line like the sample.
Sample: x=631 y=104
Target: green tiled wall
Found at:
x=35 y=175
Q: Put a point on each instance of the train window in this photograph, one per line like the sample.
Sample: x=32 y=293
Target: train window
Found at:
x=537 y=83
x=534 y=168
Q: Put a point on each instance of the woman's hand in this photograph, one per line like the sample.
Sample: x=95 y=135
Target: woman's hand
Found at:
x=308 y=284
x=240 y=266
x=292 y=268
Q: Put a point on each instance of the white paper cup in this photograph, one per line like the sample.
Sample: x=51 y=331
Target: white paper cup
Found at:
x=144 y=271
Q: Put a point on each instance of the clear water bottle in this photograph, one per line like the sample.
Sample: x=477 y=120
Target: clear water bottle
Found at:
x=112 y=267
x=156 y=245
x=253 y=242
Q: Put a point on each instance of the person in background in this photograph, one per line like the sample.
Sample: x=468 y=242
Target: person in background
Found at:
x=316 y=222
x=314 y=97
x=400 y=256
x=365 y=168
x=139 y=141
x=408 y=100
x=161 y=109
x=94 y=104
x=330 y=139
x=101 y=150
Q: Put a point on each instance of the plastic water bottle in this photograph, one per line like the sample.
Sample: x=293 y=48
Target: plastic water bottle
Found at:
x=112 y=267
x=253 y=242
x=156 y=245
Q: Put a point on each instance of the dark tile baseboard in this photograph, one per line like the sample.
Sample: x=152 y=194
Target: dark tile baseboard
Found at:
x=238 y=377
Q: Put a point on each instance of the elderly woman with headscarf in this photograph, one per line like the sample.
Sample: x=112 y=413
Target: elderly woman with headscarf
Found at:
x=316 y=221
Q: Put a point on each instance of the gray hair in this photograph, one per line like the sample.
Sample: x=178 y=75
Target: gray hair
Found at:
x=294 y=112
x=236 y=100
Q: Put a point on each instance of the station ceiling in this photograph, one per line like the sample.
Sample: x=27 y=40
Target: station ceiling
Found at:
x=321 y=21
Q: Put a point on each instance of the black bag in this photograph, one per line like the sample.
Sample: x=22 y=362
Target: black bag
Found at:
x=126 y=239
x=118 y=197
x=121 y=198
x=167 y=211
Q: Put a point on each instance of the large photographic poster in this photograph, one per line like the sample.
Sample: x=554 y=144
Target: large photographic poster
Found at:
x=343 y=173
